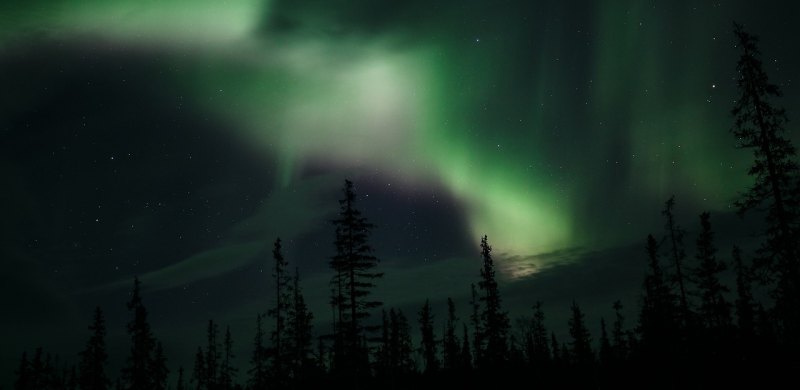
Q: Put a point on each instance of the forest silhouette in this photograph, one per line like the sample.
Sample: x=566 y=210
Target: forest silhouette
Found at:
x=692 y=330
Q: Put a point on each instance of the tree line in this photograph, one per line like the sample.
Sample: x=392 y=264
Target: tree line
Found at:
x=692 y=329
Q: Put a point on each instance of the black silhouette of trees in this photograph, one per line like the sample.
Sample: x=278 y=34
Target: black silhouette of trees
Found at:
x=495 y=322
x=94 y=357
x=759 y=126
x=138 y=373
x=353 y=282
x=451 y=358
x=714 y=309
x=428 y=343
x=259 y=363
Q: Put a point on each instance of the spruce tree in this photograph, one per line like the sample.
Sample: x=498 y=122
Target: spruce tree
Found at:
x=495 y=320
x=605 y=353
x=428 y=343
x=137 y=373
x=199 y=376
x=227 y=371
x=714 y=309
x=280 y=348
x=675 y=250
x=258 y=361
x=759 y=126
x=581 y=340
x=25 y=377
x=181 y=383
x=353 y=282
x=540 y=345
x=745 y=304
x=212 y=358
x=477 y=327
x=658 y=312
x=619 y=337
x=450 y=347
x=94 y=357
x=465 y=354
x=158 y=368
x=300 y=329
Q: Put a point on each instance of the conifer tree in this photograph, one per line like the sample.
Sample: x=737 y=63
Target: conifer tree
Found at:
x=258 y=361
x=540 y=347
x=181 y=383
x=714 y=309
x=676 y=252
x=300 y=329
x=428 y=343
x=25 y=379
x=227 y=371
x=656 y=321
x=495 y=320
x=605 y=353
x=158 y=368
x=465 y=354
x=212 y=358
x=759 y=126
x=745 y=305
x=199 y=375
x=450 y=347
x=137 y=373
x=280 y=348
x=620 y=346
x=581 y=340
x=94 y=357
x=477 y=327
x=353 y=282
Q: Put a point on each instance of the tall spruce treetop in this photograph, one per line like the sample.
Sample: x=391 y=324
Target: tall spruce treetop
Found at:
x=353 y=282
x=714 y=308
x=495 y=320
x=94 y=358
x=258 y=361
x=450 y=350
x=581 y=340
x=760 y=126
x=279 y=312
x=137 y=374
x=428 y=342
x=675 y=249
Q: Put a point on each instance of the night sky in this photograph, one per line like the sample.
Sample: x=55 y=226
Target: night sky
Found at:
x=176 y=140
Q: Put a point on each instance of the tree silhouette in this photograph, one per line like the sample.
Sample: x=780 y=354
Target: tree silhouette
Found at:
x=581 y=340
x=94 y=357
x=300 y=331
x=199 y=376
x=658 y=312
x=619 y=346
x=353 y=280
x=428 y=343
x=227 y=372
x=451 y=358
x=477 y=326
x=212 y=358
x=495 y=320
x=676 y=252
x=539 y=349
x=745 y=304
x=714 y=310
x=159 y=369
x=279 y=348
x=258 y=361
x=181 y=383
x=138 y=372
x=760 y=126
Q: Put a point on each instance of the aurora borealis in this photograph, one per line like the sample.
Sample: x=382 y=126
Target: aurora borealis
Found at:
x=175 y=139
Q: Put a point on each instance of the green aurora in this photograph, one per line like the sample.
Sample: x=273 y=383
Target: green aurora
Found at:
x=487 y=110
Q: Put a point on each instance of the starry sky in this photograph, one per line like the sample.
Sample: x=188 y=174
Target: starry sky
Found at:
x=174 y=140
